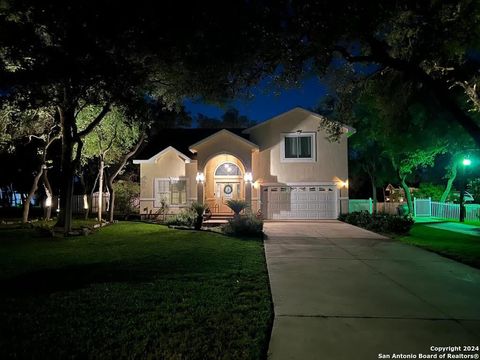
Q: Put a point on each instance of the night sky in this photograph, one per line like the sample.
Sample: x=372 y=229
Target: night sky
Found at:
x=266 y=103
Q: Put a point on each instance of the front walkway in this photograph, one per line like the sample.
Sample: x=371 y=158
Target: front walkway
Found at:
x=341 y=292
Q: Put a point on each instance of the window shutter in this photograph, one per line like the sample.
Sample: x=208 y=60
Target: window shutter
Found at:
x=162 y=191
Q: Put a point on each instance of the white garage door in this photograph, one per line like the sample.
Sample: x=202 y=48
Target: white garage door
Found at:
x=300 y=202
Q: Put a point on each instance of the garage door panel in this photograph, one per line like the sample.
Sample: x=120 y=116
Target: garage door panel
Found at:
x=300 y=202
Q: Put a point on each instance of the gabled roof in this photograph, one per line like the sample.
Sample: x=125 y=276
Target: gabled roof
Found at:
x=348 y=129
x=161 y=153
x=193 y=147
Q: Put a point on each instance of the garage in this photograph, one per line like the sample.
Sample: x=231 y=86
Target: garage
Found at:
x=299 y=202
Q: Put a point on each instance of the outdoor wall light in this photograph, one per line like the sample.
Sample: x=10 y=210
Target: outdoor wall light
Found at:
x=343 y=184
x=248 y=177
x=467 y=162
x=200 y=177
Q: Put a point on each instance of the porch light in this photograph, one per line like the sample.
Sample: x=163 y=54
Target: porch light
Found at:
x=200 y=177
x=343 y=184
x=248 y=177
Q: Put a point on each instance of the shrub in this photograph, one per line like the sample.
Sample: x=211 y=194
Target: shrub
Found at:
x=247 y=225
x=380 y=222
x=198 y=209
x=185 y=218
x=237 y=206
x=126 y=196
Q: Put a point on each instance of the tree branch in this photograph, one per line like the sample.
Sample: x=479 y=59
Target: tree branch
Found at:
x=96 y=121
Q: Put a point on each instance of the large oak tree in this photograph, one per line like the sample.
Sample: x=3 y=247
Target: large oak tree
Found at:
x=68 y=54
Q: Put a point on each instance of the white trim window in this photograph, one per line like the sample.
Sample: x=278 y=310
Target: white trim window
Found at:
x=298 y=147
x=173 y=190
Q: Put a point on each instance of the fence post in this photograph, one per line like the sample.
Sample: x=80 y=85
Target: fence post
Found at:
x=430 y=206
x=414 y=207
x=370 y=205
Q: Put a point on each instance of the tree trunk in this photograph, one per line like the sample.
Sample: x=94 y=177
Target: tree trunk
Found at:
x=112 y=198
x=100 y=188
x=408 y=196
x=67 y=170
x=46 y=182
x=33 y=189
x=374 y=193
x=111 y=178
x=451 y=179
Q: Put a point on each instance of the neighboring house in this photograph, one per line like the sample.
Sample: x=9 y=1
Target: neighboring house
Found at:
x=283 y=167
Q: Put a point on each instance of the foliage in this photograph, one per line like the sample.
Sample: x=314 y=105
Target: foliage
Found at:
x=126 y=197
x=199 y=210
x=379 y=222
x=473 y=188
x=230 y=119
x=246 y=225
x=429 y=190
x=186 y=217
x=237 y=206
x=110 y=139
x=133 y=290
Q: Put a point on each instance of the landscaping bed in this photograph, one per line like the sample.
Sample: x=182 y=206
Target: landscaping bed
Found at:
x=133 y=290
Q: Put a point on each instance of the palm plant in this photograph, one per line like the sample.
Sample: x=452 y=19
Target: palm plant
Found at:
x=199 y=210
x=237 y=206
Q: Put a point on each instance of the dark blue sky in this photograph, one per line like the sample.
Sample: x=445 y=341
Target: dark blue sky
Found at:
x=266 y=103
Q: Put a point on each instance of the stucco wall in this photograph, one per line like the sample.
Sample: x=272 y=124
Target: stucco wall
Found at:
x=224 y=143
x=331 y=158
x=168 y=165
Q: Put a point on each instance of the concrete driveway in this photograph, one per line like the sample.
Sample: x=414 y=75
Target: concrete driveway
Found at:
x=341 y=292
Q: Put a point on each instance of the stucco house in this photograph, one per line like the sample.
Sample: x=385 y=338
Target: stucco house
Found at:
x=284 y=168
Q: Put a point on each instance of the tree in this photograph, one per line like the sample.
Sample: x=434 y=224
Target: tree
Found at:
x=108 y=142
x=399 y=129
x=433 y=44
x=231 y=118
x=68 y=54
x=37 y=127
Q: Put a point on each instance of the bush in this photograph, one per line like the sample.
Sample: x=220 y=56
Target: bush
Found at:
x=198 y=209
x=186 y=217
x=237 y=206
x=126 y=197
x=380 y=222
x=247 y=225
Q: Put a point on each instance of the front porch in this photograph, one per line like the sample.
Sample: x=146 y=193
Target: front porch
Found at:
x=224 y=171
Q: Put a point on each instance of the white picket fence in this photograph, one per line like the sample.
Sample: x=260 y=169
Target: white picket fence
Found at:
x=360 y=205
x=421 y=208
x=428 y=208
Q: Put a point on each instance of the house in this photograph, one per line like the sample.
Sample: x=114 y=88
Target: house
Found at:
x=284 y=167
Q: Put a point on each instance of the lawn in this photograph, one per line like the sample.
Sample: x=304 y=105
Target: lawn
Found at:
x=133 y=290
x=462 y=247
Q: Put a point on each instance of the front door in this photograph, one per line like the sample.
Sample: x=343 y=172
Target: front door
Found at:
x=224 y=191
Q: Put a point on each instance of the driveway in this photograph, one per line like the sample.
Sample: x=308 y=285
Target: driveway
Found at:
x=341 y=292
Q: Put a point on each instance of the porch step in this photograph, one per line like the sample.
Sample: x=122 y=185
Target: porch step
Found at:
x=217 y=219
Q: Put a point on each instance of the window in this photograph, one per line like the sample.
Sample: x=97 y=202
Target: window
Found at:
x=173 y=191
x=227 y=169
x=298 y=147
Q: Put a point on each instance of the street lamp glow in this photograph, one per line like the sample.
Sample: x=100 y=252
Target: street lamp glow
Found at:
x=467 y=162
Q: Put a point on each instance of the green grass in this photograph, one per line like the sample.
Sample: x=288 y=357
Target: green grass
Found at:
x=133 y=290
x=462 y=247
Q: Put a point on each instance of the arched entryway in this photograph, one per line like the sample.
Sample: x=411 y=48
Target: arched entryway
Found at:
x=224 y=180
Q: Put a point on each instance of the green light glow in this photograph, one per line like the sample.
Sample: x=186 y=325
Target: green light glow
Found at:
x=467 y=162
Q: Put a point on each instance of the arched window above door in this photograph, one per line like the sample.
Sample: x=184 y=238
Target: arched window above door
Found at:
x=227 y=169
